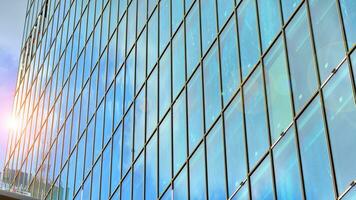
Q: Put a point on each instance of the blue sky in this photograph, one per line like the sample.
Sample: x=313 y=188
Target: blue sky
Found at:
x=12 y=17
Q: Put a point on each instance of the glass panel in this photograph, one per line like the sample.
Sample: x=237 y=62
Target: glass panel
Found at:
x=235 y=144
x=151 y=168
x=131 y=24
x=225 y=9
x=329 y=47
x=230 y=69
x=98 y=134
x=314 y=153
x=197 y=175
x=126 y=187
x=270 y=21
x=248 y=34
x=109 y=113
x=164 y=24
x=195 y=111
x=141 y=60
x=95 y=192
x=165 y=153
x=152 y=97
x=242 y=194
x=262 y=182
x=152 y=41
x=288 y=7
x=127 y=142
x=301 y=60
x=255 y=116
x=180 y=190
x=179 y=132
x=215 y=162
x=278 y=93
x=349 y=17
x=141 y=14
x=129 y=80
x=88 y=148
x=119 y=97
x=211 y=86
x=139 y=123
x=138 y=178
x=164 y=83
x=193 y=39
x=286 y=166
x=116 y=159
x=177 y=13
x=340 y=110
x=105 y=173
x=178 y=70
x=208 y=23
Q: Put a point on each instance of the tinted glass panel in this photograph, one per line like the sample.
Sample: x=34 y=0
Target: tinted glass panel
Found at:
x=349 y=17
x=262 y=182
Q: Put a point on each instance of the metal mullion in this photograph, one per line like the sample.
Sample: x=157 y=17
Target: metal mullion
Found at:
x=270 y=152
x=320 y=91
x=221 y=96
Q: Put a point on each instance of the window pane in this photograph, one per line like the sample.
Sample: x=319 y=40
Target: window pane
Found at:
x=99 y=125
x=301 y=60
x=109 y=113
x=211 y=86
x=277 y=86
x=105 y=173
x=119 y=96
x=177 y=13
x=165 y=153
x=195 y=111
x=288 y=7
x=129 y=80
x=256 y=126
x=208 y=23
x=329 y=47
x=152 y=106
x=138 y=178
x=235 y=144
x=95 y=192
x=262 y=182
x=179 y=132
x=139 y=123
x=230 y=68
x=225 y=9
x=270 y=21
x=178 y=62
x=165 y=83
x=193 y=39
x=341 y=116
x=314 y=153
x=116 y=159
x=164 y=24
x=141 y=60
x=180 y=190
x=197 y=175
x=242 y=194
x=286 y=166
x=216 y=166
x=349 y=17
x=131 y=24
x=127 y=142
x=141 y=14
x=126 y=187
x=152 y=42
x=248 y=34
x=151 y=168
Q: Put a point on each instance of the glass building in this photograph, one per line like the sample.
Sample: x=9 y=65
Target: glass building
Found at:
x=186 y=99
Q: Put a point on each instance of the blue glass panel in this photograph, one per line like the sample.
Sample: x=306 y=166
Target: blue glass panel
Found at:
x=208 y=23
x=180 y=190
x=152 y=97
x=349 y=17
x=139 y=123
x=340 y=110
x=138 y=178
x=99 y=127
x=278 y=89
x=262 y=182
x=164 y=83
x=164 y=24
x=235 y=144
x=165 y=153
x=288 y=7
x=178 y=70
x=89 y=147
x=286 y=167
x=193 y=39
x=255 y=116
x=230 y=69
x=211 y=86
x=151 y=168
x=270 y=21
x=329 y=47
x=119 y=97
x=141 y=14
x=129 y=80
x=141 y=60
x=225 y=9
x=109 y=113
x=71 y=176
x=152 y=41
x=215 y=162
x=131 y=24
x=301 y=60
x=177 y=13
x=95 y=192
x=127 y=141
x=86 y=188
x=195 y=111
x=116 y=158
x=126 y=187
x=248 y=34
x=105 y=173
x=314 y=153
x=197 y=175
x=80 y=162
x=242 y=193
x=179 y=132
x=121 y=50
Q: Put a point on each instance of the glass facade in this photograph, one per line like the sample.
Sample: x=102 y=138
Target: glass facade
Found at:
x=186 y=99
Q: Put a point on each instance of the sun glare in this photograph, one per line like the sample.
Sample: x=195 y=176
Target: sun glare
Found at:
x=12 y=123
